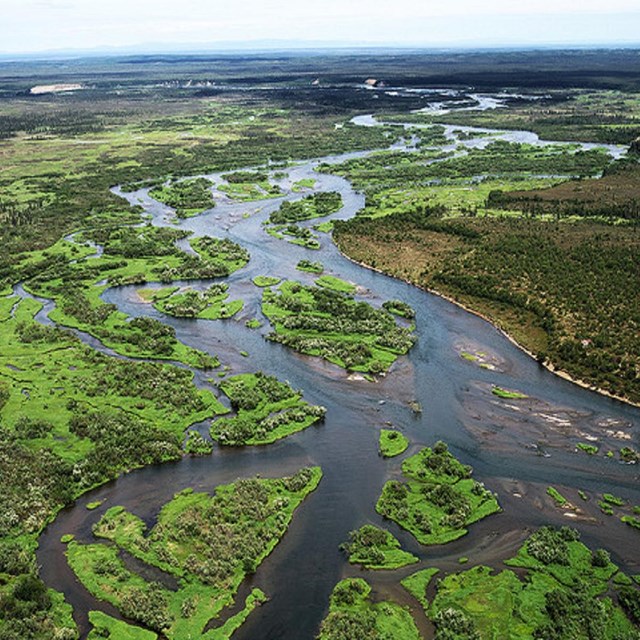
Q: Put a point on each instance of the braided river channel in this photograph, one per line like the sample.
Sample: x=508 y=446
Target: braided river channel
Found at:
x=517 y=448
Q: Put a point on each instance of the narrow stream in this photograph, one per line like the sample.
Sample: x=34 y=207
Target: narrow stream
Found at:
x=502 y=440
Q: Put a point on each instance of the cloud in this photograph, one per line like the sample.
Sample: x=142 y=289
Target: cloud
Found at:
x=29 y=25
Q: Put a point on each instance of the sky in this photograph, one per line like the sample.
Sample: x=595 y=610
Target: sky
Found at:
x=28 y=26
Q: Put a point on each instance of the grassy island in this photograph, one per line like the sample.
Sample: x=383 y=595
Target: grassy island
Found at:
x=439 y=500
x=266 y=281
x=211 y=304
x=266 y=410
x=310 y=267
x=352 y=614
x=332 y=325
x=208 y=542
x=317 y=205
x=375 y=548
x=563 y=593
x=392 y=443
x=247 y=186
x=188 y=197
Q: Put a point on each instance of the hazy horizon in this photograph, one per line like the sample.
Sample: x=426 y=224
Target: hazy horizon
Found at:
x=155 y=26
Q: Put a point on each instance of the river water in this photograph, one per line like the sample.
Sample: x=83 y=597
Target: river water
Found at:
x=518 y=448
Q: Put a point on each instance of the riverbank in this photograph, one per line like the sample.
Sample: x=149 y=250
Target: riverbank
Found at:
x=549 y=366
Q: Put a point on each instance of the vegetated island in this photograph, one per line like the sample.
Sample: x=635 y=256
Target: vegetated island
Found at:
x=310 y=266
x=248 y=186
x=392 y=443
x=188 y=197
x=352 y=614
x=376 y=548
x=209 y=543
x=266 y=410
x=439 y=499
x=211 y=304
x=331 y=324
x=561 y=590
x=283 y=222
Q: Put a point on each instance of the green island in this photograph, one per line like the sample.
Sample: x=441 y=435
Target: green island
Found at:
x=507 y=394
x=305 y=183
x=439 y=500
x=392 y=443
x=266 y=410
x=266 y=281
x=316 y=205
x=188 y=197
x=208 y=542
x=561 y=590
x=210 y=304
x=310 y=266
x=352 y=614
x=399 y=308
x=72 y=419
x=249 y=185
x=331 y=324
x=375 y=548
x=295 y=234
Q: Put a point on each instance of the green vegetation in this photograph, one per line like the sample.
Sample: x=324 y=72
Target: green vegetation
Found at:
x=249 y=185
x=505 y=393
x=295 y=235
x=335 y=284
x=317 y=205
x=613 y=500
x=266 y=410
x=392 y=443
x=558 y=498
x=210 y=543
x=94 y=505
x=399 y=308
x=311 y=267
x=211 y=304
x=105 y=626
x=330 y=324
x=353 y=615
x=188 y=197
x=439 y=500
x=590 y=449
x=305 y=183
x=195 y=444
x=560 y=595
x=375 y=548
x=266 y=281
x=418 y=583
x=324 y=227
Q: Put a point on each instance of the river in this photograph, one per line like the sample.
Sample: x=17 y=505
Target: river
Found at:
x=517 y=448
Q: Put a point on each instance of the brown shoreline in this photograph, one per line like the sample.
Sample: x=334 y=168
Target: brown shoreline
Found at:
x=548 y=366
